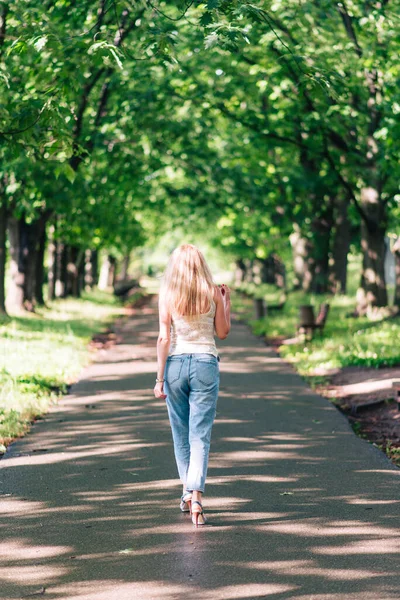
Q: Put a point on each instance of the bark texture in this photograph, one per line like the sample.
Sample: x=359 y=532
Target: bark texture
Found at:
x=303 y=264
x=320 y=250
x=15 y=291
x=396 y=254
x=3 y=250
x=61 y=270
x=107 y=273
x=125 y=267
x=74 y=271
x=52 y=254
x=25 y=250
x=372 y=290
x=240 y=271
x=340 y=249
x=39 y=274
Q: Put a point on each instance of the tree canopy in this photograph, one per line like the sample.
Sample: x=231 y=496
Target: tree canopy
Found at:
x=257 y=123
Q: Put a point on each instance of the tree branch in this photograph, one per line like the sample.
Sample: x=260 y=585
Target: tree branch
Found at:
x=3 y=25
x=83 y=103
x=100 y=14
x=269 y=135
x=171 y=18
x=348 y=25
x=120 y=36
x=335 y=137
x=344 y=183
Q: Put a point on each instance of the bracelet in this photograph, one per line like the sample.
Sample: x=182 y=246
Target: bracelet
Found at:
x=160 y=380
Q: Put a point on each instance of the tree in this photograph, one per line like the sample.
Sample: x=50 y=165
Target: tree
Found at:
x=336 y=93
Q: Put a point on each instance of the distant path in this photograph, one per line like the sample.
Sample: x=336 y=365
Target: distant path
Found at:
x=299 y=507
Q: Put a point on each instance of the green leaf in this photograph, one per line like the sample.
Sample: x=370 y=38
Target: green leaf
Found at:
x=69 y=172
x=206 y=18
x=4 y=77
x=65 y=169
x=117 y=59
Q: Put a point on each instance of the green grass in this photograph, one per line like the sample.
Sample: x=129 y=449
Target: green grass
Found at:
x=393 y=452
x=40 y=354
x=347 y=341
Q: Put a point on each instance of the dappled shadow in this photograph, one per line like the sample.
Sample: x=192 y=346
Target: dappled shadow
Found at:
x=298 y=506
x=36 y=325
x=363 y=383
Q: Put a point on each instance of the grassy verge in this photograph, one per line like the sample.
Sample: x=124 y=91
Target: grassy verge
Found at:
x=347 y=341
x=40 y=354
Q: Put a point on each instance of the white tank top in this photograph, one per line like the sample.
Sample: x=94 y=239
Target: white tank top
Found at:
x=190 y=335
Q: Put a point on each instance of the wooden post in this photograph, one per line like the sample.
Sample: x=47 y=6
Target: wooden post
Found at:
x=396 y=391
x=260 y=307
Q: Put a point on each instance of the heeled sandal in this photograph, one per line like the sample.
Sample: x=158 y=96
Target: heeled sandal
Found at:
x=186 y=500
x=198 y=516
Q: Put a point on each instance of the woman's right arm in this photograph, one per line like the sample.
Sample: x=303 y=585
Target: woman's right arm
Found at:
x=222 y=319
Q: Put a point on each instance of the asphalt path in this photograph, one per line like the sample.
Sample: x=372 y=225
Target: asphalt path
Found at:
x=298 y=506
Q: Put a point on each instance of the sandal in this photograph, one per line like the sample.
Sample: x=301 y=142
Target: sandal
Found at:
x=198 y=516
x=186 y=500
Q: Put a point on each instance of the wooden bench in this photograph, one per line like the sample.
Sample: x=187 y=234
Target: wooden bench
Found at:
x=262 y=308
x=308 y=323
x=322 y=317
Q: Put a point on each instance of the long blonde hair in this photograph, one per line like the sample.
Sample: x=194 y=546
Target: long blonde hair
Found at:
x=187 y=286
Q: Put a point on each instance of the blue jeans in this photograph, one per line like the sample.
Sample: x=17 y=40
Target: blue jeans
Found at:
x=191 y=385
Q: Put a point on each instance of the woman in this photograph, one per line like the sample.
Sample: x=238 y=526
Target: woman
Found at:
x=191 y=308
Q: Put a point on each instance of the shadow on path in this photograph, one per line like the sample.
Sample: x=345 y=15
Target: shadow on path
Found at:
x=298 y=506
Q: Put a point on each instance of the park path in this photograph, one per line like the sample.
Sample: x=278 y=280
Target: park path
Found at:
x=299 y=507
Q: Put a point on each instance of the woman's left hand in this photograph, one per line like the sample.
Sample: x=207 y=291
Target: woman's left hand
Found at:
x=159 y=391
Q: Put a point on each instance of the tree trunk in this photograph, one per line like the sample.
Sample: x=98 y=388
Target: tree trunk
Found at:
x=61 y=270
x=396 y=254
x=249 y=272
x=240 y=271
x=95 y=267
x=24 y=248
x=29 y=248
x=15 y=292
x=125 y=267
x=112 y=271
x=341 y=247
x=81 y=271
x=107 y=273
x=322 y=229
x=51 y=275
x=303 y=262
x=372 y=290
x=256 y=271
x=74 y=259
x=3 y=251
x=90 y=269
x=88 y=277
x=260 y=308
x=39 y=275
x=273 y=271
